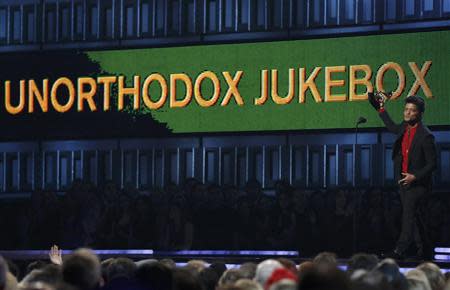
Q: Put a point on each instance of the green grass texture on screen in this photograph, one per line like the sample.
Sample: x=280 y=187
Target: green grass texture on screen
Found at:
x=252 y=58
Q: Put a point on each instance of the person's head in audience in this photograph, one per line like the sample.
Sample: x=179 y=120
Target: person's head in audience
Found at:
x=305 y=266
x=434 y=275
x=121 y=268
x=154 y=275
x=390 y=269
x=281 y=278
x=288 y=264
x=104 y=269
x=7 y=280
x=13 y=268
x=325 y=260
x=362 y=261
x=265 y=269
x=248 y=270
x=219 y=268
x=49 y=275
x=11 y=282
x=323 y=278
x=35 y=265
x=82 y=269
x=230 y=276
x=169 y=263
x=184 y=280
x=248 y=284
x=369 y=280
x=284 y=285
x=414 y=284
x=196 y=265
x=447 y=277
x=420 y=277
x=208 y=278
x=229 y=287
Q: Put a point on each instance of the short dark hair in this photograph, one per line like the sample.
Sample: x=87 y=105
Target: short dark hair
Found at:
x=121 y=268
x=418 y=101
x=82 y=269
x=362 y=261
x=154 y=275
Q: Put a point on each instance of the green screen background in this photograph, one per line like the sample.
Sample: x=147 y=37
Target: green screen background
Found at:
x=252 y=58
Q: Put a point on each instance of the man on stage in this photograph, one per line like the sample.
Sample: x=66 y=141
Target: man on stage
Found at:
x=414 y=156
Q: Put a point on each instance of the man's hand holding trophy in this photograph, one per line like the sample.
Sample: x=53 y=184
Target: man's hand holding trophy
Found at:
x=378 y=99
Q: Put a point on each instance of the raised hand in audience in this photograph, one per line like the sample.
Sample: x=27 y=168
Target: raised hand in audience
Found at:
x=55 y=255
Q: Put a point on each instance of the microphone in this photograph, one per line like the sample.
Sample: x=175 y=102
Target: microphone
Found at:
x=361 y=120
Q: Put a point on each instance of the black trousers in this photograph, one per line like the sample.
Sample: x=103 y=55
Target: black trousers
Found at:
x=410 y=227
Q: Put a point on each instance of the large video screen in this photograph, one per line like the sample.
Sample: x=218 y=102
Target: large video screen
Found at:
x=264 y=86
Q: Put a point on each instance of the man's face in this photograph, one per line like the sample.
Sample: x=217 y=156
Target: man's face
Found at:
x=411 y=113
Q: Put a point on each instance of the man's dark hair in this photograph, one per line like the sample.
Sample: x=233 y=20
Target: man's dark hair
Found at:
x=373 y=280
x=184 y=280
x=169 y=263
x=121 y=268
x=220 y=268
x=324 y=279
x=418 y=101
x=230 y=276
x=208 y=278
x=82 y=269
x=391 y=271
x=154 y=275
x=362 y=261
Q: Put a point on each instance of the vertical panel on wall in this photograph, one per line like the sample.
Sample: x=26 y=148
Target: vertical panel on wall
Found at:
x=272 y=165
x=228 y=166
x=256 y=164
x=241 y=167
x=90 y=166
x=26 y=171
x=104 y=172
x=331 y=160
x=49 y=170
x=189 y=164
x=316 y=166
x=211 y=163
x=298 y=165
x=65 y=170
x=145 y=169
x=158 y=168
x=345 y=165
x=365 y=165
x=388 y=165
x=172 y=166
